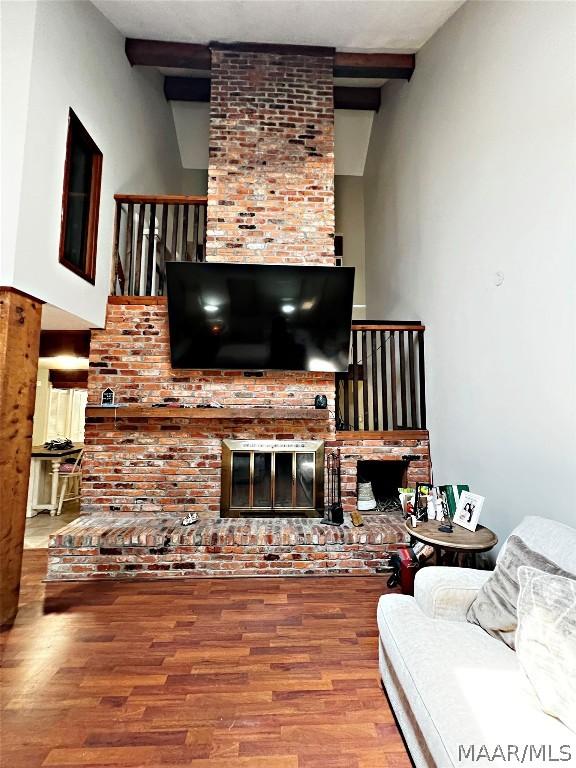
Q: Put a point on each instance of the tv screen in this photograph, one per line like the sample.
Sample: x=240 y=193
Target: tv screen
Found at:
x=259 y=317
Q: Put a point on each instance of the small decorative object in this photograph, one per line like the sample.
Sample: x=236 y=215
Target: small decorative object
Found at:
x=357 y=519
x=468 y=510
x=321 y=402
x=190 y=518
x=446 y=518
x=59 y=444
x=107 y=397
x=423 y=492
x=366 y=499
x=406 y=496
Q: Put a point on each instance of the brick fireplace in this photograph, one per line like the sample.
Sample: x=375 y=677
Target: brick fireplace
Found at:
x=270 y=201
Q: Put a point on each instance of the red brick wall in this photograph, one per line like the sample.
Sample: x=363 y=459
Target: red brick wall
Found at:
x=141 y=465
x=391 y=448
x=271 y=166
x=171 y=466
x=132 y=356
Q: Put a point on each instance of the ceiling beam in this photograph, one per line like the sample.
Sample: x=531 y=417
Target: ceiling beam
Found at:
x=187 y=88
x=278 y=48
x=198 y=89
x=158 y=53
x=356 y=98
x=390 y=65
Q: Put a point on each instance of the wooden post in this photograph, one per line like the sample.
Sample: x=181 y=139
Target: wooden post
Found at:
x=19 y=343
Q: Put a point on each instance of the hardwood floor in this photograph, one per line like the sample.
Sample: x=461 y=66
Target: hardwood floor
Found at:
x=230 y=673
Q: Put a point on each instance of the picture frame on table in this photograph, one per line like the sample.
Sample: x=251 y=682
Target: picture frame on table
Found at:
x=468 y=510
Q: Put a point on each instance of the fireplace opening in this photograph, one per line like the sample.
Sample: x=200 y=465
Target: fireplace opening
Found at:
x=385 y=477
x=272 y=478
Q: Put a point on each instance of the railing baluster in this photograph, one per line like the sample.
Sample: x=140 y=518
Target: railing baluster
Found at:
x=384 y=378
x=204 y=228
x=412 y=368
x=355 y=378
x=374 y=364
x=195 y=225
x=421 y=380
x=175 y=231
x=346 y=389
x=393 y=381
x=161 y=251
x=402 y=356
x=118 y=271
x=128 y=250
x=365 y=410
x=139 y=239
x=185 y=254
x=150 y=256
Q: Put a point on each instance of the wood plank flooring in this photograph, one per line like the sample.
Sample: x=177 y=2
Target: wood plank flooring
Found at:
x=229 y=673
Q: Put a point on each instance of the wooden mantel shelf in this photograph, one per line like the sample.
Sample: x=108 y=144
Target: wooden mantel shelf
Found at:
x=147 y=412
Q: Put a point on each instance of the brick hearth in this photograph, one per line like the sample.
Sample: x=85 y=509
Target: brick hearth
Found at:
x=159 y=547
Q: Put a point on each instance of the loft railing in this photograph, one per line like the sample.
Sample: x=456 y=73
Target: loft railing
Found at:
x=384 y=388
x=150 y=230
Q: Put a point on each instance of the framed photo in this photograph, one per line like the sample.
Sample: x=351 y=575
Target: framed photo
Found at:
x=468 y=510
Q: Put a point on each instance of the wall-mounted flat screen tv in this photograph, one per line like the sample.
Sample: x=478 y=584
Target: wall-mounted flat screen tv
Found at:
x=259 y=317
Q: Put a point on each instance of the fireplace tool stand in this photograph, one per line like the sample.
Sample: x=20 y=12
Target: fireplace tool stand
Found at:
x=334 y=513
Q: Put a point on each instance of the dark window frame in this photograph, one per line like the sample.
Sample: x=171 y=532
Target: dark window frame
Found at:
x=77 y=132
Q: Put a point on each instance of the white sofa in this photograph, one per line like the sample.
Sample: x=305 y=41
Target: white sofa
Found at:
x=451 y=685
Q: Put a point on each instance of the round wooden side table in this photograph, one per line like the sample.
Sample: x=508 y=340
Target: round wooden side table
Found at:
x=456 y=548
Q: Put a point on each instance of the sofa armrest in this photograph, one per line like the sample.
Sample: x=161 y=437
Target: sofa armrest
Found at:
x=447 y=593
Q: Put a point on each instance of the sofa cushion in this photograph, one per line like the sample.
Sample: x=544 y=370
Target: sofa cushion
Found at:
x=463 y=687
x=494 y=608
x=554 y=540
x=546 y=640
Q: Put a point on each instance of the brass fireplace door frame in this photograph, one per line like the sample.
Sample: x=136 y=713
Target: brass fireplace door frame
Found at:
x=229 y=447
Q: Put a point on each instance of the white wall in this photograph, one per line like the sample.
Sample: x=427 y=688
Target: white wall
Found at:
x=192 y=122
x=17 y=21
x=349 y=210
x=471 y=172
x=351 y=137
x=78 y=61
x=194 y=181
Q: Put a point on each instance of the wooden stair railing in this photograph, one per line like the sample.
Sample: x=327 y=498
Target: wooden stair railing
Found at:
x=150 y=230
x=384 y=388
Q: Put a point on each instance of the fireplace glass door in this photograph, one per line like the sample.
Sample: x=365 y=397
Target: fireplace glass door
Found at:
x=269 y=478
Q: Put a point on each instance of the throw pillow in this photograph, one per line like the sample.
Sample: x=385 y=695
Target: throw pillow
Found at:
x=494 y=607
x=546 y=640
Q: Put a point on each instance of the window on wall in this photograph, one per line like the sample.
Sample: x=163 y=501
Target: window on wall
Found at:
x=80 y=201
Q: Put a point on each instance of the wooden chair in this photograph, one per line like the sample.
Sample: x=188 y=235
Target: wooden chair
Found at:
x=70 y=480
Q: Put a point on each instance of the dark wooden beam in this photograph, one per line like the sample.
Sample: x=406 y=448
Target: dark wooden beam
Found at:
x=356 y=98
x=68 y=379
x=74 y=343
x=285 y=50
x=187 y=88
x=389 y=65
x=198 y=89
x=157 y=53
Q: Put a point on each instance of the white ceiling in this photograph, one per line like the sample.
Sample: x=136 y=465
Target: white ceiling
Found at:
x=56 y=319
x=359 y=25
